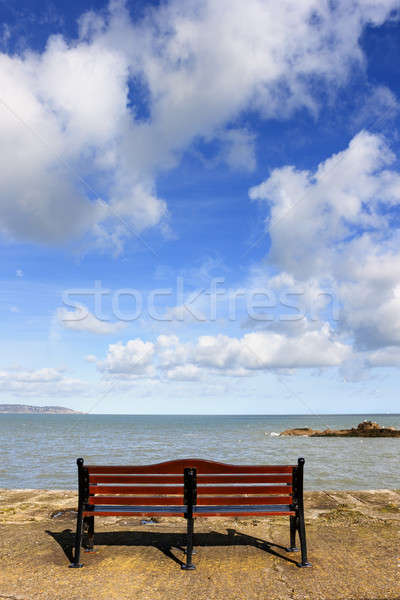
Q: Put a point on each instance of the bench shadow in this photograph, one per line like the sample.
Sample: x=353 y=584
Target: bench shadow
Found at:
x=168 y=542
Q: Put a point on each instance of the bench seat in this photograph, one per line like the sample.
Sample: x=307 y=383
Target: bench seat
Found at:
x=269 y=509
x=189 y=488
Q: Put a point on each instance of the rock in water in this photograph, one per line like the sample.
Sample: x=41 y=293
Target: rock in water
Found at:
x=364 y=429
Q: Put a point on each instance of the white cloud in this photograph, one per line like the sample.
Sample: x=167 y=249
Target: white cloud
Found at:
x=370 y=291
x=41 y=382
x=238 y=149
x=91 y=358
x=19 y=273
x=65 y=114
x=268 y=350
x=223 y=355
x=335 y=225
x=171 y=351
x=311 y=213
x=134 y=359
x=385 y=357
x=184 y=373
x=379 y=106
x=81 y=319
x=72 y=100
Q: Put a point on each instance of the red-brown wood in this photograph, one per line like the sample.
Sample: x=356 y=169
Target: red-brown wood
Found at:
x=220 y=479
x=139 y=489
x=201 y=490
x=88 y=513
x=146 y=513
x=177 y=466
x=244 y=514
x=168 y=479
x=243 y=489
x=136 y=478
x=242 y=500
x=136 y=500
x=163 y=493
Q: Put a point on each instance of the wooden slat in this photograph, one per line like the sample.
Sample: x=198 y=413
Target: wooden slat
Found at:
x=177 y=514
x=239 y=510
x=243 y=489
x=244 y=479
x=249 y=513
x=144 y=513
x=136 y=500
x=201 y=489
x=168 y=479
x=136 y=478
x=177 y=466
x=243 y=500
x=134 y=490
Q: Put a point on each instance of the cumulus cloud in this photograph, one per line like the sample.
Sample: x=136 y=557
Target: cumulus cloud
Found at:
x=133 y=359
x=318 y=210
x=370 y=292
x=224 y=355
x=81 y=319
x=335 y=225
x=171 y=351
x=266 y=350
x=384 y=357
x=71 y=113
x=184 y=373
x=40 y=382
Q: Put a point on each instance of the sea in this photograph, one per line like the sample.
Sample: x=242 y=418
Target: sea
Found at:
x=40 y=451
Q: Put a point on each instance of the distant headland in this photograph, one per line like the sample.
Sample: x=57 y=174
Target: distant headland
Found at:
x=42 y=410
x=364 y=429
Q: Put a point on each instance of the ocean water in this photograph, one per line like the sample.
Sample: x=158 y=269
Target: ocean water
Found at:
x=40 y=451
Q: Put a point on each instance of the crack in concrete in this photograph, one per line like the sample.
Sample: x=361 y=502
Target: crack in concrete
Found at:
x=331 y=497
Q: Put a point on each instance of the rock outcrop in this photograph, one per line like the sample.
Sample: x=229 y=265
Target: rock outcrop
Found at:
x=364 y=429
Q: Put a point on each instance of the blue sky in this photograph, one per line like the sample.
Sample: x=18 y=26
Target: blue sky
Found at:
x=228 y=174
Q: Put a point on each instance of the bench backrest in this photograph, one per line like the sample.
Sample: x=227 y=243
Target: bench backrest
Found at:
x=215 y=484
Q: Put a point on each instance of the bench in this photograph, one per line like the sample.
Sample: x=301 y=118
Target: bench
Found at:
x=189 y=488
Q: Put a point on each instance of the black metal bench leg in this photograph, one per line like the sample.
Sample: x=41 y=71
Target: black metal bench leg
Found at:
x=189 y=566
x=88 y=524
x=303 y=544
x=293 y=529
x=299 y=518
x=78 y=542
x=83 y=481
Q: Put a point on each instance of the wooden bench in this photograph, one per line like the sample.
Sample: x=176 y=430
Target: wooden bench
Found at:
x=190 y=488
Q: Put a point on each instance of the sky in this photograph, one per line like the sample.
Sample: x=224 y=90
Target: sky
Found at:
x=199 y=206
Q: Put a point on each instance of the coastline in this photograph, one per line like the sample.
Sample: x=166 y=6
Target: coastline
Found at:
x=352 y=539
